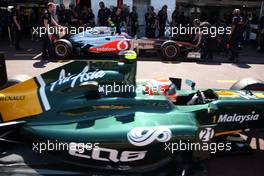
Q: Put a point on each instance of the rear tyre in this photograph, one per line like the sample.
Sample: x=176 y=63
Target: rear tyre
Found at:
x=248 y=84
x=62 y=49
x=170 y=50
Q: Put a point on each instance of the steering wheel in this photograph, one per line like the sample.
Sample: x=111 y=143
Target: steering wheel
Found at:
x=201 y=97
x=198 y=98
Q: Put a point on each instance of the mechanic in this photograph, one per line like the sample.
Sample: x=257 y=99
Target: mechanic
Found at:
x=205 y=41
x=33 y=19
x=261 y=34
x=117 y=18
x=246 y=28
x=163 y=19
x=236 y=35
x=61 y=14
x=151 y=22
x=87 y=17
x=72 y=16
x=103 y=15
x=175 y=17
x=16 y=24
x=91 y=18
x=133 y=16
x=48 y=21
x=196 y=24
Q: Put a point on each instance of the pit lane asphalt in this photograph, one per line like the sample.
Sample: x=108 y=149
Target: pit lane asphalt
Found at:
x=205 y=74
x=219 y=73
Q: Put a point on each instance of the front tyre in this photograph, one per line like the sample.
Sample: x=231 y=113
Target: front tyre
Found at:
x=62 y=49
x=170 y=50
x=248 y=84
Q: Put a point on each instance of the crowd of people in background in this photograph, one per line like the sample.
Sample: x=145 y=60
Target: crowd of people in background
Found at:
x=126 y=20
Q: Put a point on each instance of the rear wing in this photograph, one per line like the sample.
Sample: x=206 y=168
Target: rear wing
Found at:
x=3 y=73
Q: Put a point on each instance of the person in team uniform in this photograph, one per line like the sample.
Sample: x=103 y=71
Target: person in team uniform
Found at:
x=16 y=24
x=175 y=18
x=72 y=17
x=151 y=22
x=133 y=16
x=103 y=15
x=48 y=21
x=117 y=18
x=87 y=17
x=207 y=43
x=163 y=18
x=236 y=35
x=261 y=34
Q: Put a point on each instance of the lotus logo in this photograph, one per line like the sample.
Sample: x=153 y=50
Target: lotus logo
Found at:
x=142 y=136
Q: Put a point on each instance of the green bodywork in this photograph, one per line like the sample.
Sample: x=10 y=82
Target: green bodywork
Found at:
x=82 y=113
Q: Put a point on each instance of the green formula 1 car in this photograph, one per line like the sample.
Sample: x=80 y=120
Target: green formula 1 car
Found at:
x=95 y=114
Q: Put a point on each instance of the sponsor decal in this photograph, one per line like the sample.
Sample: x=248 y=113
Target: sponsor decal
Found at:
x=238 y=118
x=206 y=134
x=142 y=136
x=122 y=45
x=105 y=49
x=108 y=155
x=84 y=76
x=11 y=98
x=20 y=100
x=145 y=44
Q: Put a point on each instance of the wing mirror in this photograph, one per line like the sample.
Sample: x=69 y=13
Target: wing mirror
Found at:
x=177 y=82
x=91 y=88
x=89 y=85
x=190 y=83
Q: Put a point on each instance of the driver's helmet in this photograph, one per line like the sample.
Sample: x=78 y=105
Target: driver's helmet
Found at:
x=161 y=86
x=112 y=27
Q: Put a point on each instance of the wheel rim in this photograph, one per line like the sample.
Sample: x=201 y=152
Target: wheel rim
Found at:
x=61 y=50
x=171 y=51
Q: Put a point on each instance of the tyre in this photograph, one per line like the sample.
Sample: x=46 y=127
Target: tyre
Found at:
x=62 y=49
x=248 y=84
x=170 y=50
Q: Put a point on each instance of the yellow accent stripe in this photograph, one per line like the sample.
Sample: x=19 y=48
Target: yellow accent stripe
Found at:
x=227 y=132
x=259 y=95
x=20 y=100
x=226 y=81
x=227 y=94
